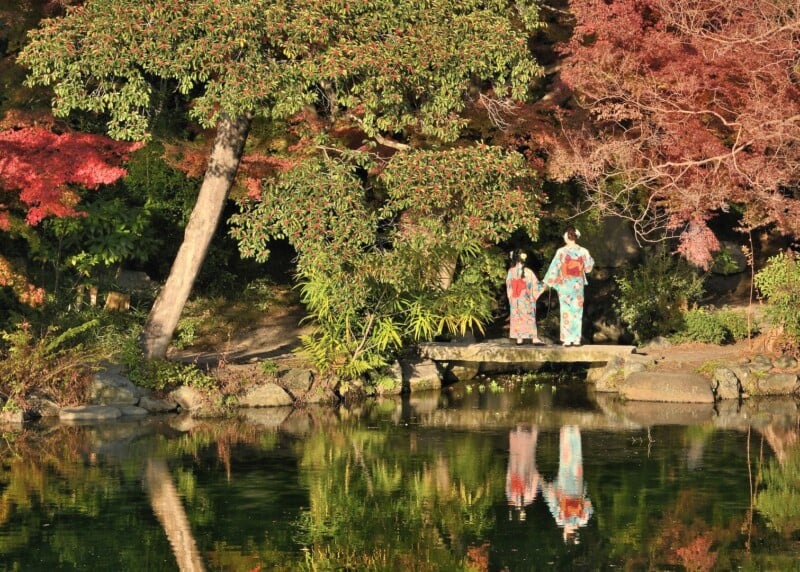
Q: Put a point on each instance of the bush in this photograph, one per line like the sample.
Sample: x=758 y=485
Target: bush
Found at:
x=50 y=366
x=701 y=326
x=161 y=375
x=737 y=325
x=779 y=283
x=653 y=296
x=712 y=327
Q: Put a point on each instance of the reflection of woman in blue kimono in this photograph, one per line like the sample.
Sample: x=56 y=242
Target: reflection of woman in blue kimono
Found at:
x=567 y=497
x=522 y=478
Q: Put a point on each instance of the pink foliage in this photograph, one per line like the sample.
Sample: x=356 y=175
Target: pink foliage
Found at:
x=41 y=165
x=690 y=106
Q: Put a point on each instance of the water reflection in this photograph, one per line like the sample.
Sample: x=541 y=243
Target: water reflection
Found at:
x=522 y=478
x=422 y=484
x=566 y=497
x=169 y=510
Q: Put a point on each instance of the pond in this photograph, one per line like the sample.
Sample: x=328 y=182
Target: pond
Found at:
x=511 y=475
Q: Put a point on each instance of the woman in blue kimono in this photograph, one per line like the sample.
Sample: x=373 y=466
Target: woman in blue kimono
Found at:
x=523 y=289
x=567 y=275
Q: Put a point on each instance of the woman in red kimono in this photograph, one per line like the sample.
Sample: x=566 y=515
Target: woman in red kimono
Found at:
x=523 y=289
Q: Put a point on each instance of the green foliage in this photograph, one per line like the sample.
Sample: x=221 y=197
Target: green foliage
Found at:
x=401 y=262
x=779 y=283
x=396 y=65
x=712 y=326
x=135 y=223
x=736 y=324
x=268 y=366
x=701 y=325
x=652 y=296
x=161 y=375
x=111 y=233
x=54 y=365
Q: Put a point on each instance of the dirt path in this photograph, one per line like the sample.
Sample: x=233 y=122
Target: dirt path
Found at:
x=690 y=357
x=275 y=335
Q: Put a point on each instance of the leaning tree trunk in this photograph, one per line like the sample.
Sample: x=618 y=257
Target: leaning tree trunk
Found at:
x=222 y=165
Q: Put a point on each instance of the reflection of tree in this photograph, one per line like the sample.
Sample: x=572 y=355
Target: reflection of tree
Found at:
x=55 y=491
x=666 y=514
x=66 y=488
x=779 y=500
x=168 y=508
x=380 y=498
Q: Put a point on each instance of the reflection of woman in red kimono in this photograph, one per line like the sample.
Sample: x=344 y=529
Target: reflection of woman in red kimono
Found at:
x=567 y=497
x=522 y=478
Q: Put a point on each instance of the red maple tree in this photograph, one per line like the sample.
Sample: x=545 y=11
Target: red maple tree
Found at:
x=685 y=108
x=40 y=166
x=38 y=169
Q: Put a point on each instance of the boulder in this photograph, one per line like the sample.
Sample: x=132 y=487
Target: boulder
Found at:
x=157 y=405
x=90 y=413
x=44 y=407
x=667 y=387
x=188 y=398
x=725 y=384
x=11 y=417
x=462 y=370
x=606 y=377
x=613 y=243
x=392 y=384
x=133 y=411
x=420 y=375
x=266 y=395
x=297 y=381
x=785 y=362
x=777 y=384
x=111 y=387
x=734 y=260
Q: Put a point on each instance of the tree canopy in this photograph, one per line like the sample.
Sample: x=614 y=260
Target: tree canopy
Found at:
x=390 y=65
x=685 y=109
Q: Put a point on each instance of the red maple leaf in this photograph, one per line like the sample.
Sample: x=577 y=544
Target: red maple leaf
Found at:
x=41 y=165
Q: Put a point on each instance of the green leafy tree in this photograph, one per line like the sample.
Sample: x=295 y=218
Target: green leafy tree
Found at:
x=779 y=283
x=392 y=72
x=409 y=264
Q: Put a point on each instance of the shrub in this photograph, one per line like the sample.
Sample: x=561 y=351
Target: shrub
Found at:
x=161 y=375
x=712 y=326
x=779 y=283
x=50 y=366
x=653 y=296
x=737 y=325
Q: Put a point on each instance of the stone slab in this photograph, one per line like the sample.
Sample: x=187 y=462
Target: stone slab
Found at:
x=505 y=351
x=676 y=387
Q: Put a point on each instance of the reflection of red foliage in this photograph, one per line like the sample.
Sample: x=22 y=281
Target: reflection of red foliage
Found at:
x=478 y=557
x=41 y=165
x=696 y=555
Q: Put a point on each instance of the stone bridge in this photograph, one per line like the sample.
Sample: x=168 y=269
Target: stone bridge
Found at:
x=507 y=352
